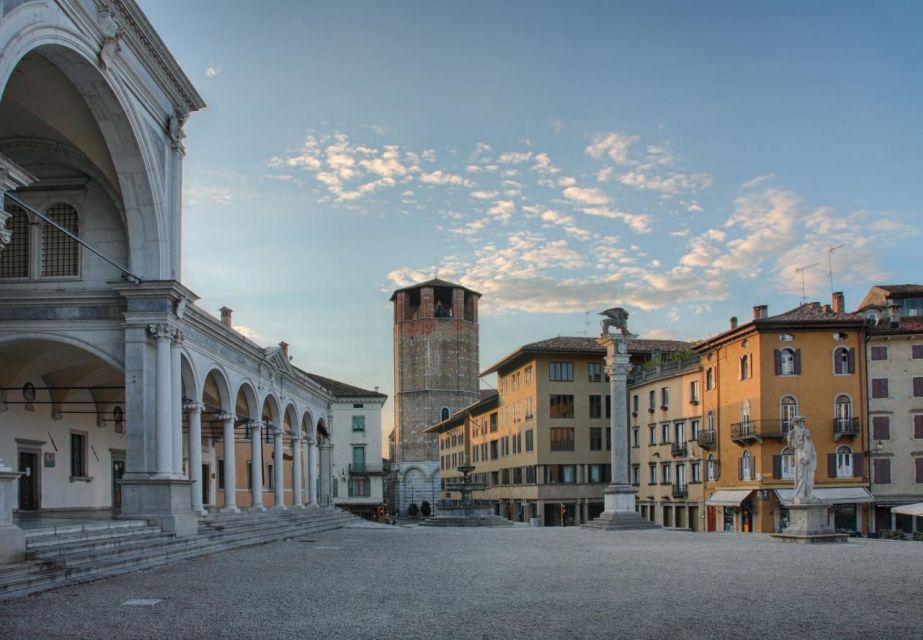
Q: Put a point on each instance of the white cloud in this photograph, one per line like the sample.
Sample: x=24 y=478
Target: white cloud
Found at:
x=440 y=177
x=586 y=195
x=639 y=222
x=484 y=195
x=758 y=180
x=514 y=157
x=670 y=184
x=212 y=70
x=503 y=210
x=613 y=144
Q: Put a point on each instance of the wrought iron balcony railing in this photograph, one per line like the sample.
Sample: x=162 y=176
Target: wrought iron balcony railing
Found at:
x=679 y=449
x=680 y=491
x=706 y=439
x=757 y=430
x=366 y=469
x=846 y=427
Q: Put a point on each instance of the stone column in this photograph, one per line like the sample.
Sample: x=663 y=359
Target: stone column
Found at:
x=163 y=334
x=619 y=496
x=312 y=471
x=194 y=410
x=12 y=538
x=230 y=464
x=326 y=480
x=256 y=465
x=296 y=470
x=279 y=469
x=176 y=380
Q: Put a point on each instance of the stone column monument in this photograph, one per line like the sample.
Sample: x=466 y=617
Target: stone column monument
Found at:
x=808 y=517
x=619 y=513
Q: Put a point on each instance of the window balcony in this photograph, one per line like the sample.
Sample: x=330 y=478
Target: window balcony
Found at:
x=679 y=450
x=845 y=428
x=706 y=439
x=680 y=491
x=366 y=469
x=758 y=430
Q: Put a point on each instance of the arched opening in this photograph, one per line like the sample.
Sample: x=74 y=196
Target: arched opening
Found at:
x=216 y=407
x=62 y=423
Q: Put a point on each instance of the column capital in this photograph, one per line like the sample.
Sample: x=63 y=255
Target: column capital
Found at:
x=311 y=440
x=296 y=436
x=224 y=416
x=161 y=330
x=194 y=407
x=178 y=337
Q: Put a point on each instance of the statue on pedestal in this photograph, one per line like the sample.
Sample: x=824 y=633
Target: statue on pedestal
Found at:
x=615 y=317
x=799 y=439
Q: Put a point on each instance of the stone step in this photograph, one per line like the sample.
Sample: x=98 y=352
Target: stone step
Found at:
x=71 y=552
x=91 y=537
x=102 y=528
x=130 y=554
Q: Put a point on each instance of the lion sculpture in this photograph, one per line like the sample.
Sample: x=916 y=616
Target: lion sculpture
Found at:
x=616 y=317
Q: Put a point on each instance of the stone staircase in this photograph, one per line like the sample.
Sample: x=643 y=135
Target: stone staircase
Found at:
x=78 y=553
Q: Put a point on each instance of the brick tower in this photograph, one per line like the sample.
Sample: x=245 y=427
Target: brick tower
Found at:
x=435 y=374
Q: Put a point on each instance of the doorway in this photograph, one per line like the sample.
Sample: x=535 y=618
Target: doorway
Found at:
x=29 y=493
x=206 y=484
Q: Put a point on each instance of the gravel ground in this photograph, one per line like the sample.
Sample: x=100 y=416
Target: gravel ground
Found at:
x=511 y=582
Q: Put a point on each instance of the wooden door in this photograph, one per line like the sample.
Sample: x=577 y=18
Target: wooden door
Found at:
x=118 y=470
x=28 y=481
x=206 y=483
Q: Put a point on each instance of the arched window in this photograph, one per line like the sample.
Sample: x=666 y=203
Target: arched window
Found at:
x=745 y=411
x=711 y=468
x=841 y=361
x=744 y=367
x=787 y=360
x=842 y=413
x=844 y=460
x=445 y=413
x=709 y=379
x=60 y=252
x=788 y=409
x=710 y=421
x=746 y=466
x=788 y=463
x=14 y=259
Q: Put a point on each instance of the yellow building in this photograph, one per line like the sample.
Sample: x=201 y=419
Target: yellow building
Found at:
x=757 y=377
x=544 y=447
x=665 y=407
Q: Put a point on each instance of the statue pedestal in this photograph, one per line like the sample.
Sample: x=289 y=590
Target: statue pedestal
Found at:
x=12 y=538
x=619 y=513
x=808 y=523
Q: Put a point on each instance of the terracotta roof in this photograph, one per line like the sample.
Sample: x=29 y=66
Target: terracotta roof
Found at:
x=811 y=312
x=907 y=325
x=343 y=390
x=589 y=345
x=434 y=282
x=901 y=288
x=490 y=399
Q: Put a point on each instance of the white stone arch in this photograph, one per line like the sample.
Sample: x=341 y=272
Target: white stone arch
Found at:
x=275 y=412
x=63 y=338
x=253 y=408
x=307 y=418
x=222 y=384
x=406 y=472
x=149 y=249
x=290 y=416
x=189 y=380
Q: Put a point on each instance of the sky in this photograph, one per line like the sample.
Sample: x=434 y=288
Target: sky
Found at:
x=679 y=159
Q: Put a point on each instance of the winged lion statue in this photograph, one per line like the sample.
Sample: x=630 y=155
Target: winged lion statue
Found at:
x=615 y=317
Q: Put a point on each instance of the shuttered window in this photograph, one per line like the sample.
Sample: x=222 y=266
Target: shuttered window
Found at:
x=881 y=428
x=919 y=463
x=879 y=387
x=918 y=426
x=882 y=470
x=916 y=352
x=918 y=387
x=879 y=353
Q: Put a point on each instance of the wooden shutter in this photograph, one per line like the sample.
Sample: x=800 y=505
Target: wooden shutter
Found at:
x=740 y=468
x=851 y=360
x=797 y=362
x=882 y=471
x=918 y=387
x=857 y=470
x=918 y=426
x=881 y=427
x=919 y=464
x=777 y=467
x=777 y=354
x=880 y=388
x=831 y=465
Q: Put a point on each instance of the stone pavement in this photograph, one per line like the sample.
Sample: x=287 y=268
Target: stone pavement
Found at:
x=512 y=582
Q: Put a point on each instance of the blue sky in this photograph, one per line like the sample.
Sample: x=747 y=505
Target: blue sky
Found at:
x=676 y=158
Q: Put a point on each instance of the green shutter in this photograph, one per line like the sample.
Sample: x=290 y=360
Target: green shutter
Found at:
x=349 y=487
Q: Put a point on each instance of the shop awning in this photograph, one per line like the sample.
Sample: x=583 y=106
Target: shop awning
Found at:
x=728 y=498
x=830 y=495
x=909 y=509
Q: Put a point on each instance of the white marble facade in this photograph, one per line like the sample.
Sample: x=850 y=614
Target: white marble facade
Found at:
x=107 y=366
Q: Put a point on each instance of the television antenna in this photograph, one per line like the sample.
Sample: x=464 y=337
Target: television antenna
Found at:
x=801 y=270
x=830 y=263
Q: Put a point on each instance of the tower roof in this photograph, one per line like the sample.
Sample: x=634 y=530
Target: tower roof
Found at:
x=434 y=282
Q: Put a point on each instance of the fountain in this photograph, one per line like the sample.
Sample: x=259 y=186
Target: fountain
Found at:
x=466 y=512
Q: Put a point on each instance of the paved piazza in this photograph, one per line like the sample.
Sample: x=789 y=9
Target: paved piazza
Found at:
x=411 y=582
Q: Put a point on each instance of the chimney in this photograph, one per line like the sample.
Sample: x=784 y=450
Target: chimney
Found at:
x=760 y=311
x=284 y=346
x=226 y=316
x=756 y=312
x=733 y=322
x=839 y=302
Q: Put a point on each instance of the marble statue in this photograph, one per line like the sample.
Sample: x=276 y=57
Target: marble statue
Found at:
x=799 y=439
x=615 y=317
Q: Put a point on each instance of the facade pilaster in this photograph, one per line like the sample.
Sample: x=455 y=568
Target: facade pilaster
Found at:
x=325 y=499
x=163 y=384
x=176 y=383
x=256 y=465
x=312 y=471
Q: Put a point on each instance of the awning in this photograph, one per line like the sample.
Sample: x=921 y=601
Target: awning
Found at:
x=909 y=509
x=728 y=498
x=838 y=495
